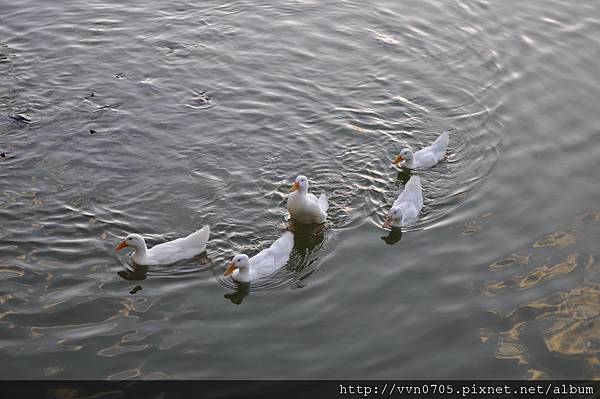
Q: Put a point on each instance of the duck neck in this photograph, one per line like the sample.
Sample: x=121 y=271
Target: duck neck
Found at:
x=302 y=191
x=244 y=273
x=140 y=252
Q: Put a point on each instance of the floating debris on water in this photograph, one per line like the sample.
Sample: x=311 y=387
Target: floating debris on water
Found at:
x=92 y=131
x=113 y=107
x=200 y=100
x=120 y=76
x=559 y=239
x=21 y=118
x=136 y=289
x=470 y=228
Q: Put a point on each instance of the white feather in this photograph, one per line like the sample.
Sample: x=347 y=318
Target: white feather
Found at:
x=430 y=155
x=173 y=251
x=305 y=207
x=267 y=261
x=409 y=202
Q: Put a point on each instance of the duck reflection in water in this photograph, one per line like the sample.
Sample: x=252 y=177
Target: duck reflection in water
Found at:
x=134 y=272
x=404 y=175
x=242 y=290
x=393 y=237
x=307 y=237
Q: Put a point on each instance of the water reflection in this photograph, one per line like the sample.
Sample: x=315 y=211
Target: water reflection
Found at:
x=242 y=290
x=307 y=237
x=568 y=318
x=308 y=241
x=393 y=237
x=203 y=259
x=404 y=175
x=134 y=272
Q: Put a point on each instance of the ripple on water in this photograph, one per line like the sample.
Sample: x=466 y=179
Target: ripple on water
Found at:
x=340 y=129
x=556 y=304
x=212 y=130
x=309 y=242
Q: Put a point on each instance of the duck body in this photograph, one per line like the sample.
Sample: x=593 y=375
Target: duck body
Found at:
x=305 y=207
x=425 y=157
x=407 y=206
x=244 y=269
x=168 y=252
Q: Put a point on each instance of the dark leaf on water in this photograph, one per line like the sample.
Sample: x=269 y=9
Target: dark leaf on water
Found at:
x=136 y=289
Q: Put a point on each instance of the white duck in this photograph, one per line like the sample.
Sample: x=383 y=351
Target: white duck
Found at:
x=168 y=252
x=264 y=263
x=407 y=206
x=425 y=157
x=305 y=207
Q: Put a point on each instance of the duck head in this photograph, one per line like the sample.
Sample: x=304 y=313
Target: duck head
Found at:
x=241 y=262
x=405 y=155
x=395 y=215
x=300 y=184
x=134 y=241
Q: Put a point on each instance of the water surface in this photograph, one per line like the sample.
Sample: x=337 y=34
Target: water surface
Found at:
x=159 y=118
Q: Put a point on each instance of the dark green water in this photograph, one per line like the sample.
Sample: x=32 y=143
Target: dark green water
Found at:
x=204 y=112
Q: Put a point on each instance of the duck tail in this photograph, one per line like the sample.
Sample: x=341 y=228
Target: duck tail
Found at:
x=285 y=243
x=323 y=203
x=441 y=143
x=203 y=234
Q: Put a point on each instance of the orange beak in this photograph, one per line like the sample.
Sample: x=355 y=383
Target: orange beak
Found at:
x=230 y=269
x=398 y=160
x=295 y=187
x=121 y=245
x=387 y=223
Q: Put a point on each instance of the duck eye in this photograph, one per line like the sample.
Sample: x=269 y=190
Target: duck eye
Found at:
x=129 y=238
